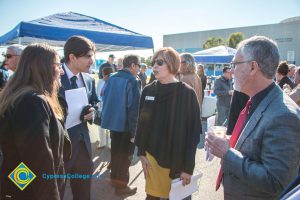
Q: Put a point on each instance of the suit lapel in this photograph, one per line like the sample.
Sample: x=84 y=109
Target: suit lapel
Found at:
x=84 y=80
x=86 y=85
x=65 y=82
x=254 y=119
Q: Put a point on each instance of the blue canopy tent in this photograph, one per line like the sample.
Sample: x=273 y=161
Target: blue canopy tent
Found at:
x=219 y=54
x=56 y=29
x=215 y=58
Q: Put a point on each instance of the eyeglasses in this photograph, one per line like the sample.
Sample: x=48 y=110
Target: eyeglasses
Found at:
x=138 y=65
x=8 y=56
x=233 y=64
x=159 y=62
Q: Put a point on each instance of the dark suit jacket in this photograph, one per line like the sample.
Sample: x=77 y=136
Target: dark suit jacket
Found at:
x=238 y=103
x=267 y=154
x=286 y=80
x=81 y=130
x=30 y=133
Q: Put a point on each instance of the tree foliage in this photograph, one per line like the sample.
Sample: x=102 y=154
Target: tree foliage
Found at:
x=234 y=39
x=214 y=42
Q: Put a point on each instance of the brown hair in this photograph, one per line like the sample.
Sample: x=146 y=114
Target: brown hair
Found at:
x=283 y=68
x=79 y=46
x=202 y=70
x=107 y=71
x=171 y=58
x=190 y=65
x=130 y=59
x=36 y=73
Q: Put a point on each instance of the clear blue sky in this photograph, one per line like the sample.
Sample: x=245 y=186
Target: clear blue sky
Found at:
x=156 y=17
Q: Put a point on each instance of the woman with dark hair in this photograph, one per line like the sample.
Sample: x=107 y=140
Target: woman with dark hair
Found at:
x=281 y=75
x=169 y=127
x=31 y=130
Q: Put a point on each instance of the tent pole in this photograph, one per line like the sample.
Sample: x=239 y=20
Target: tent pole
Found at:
x=20 y=40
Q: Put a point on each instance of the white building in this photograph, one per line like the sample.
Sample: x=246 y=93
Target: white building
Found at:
x=286 y=34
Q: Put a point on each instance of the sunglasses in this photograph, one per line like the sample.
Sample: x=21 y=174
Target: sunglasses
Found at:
x=8 y=56
x=159 y=62
x=138 y=65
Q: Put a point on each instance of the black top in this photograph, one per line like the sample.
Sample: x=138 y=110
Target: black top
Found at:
x=203 y=82
x=30 y=133
x=286 y=80
x=169 y=126
x=143 y=79
x=237 y=104
x=107 y=64
x=152 y=78
x=256 y=99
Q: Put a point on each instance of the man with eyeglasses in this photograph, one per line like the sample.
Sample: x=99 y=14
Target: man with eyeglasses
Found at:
x=223 y=90
x=12 y=56
x=263 y=154
x=119 y=115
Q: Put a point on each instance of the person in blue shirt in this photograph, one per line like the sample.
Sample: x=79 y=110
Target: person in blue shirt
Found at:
x=119 y=115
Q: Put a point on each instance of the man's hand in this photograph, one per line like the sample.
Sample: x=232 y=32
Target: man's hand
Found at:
x=90 y=115
x=186 y=178
x=146 y=165
x=217 y=145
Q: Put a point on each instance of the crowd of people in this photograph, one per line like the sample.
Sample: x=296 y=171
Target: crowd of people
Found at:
x=260 y=155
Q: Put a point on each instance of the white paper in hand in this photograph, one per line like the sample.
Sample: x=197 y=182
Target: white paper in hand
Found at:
x=76 y=99
x=178 y=191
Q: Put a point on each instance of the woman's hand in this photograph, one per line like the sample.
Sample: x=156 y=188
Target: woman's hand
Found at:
x=146 y=165
x=186 y=178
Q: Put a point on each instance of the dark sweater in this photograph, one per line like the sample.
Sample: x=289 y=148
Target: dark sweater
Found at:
x=169 y=126
x=286 y=80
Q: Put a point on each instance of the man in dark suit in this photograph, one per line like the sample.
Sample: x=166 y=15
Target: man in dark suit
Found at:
x=263 y=153
x=79 y=52
x=142 y=75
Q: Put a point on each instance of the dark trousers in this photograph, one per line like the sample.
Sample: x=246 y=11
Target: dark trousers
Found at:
x=80 y=163
x=121 y=151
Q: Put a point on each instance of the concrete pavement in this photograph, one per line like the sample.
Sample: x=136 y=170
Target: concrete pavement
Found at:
x=102 y=190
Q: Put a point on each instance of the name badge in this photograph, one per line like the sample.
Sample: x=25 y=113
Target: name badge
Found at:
x=149 y=98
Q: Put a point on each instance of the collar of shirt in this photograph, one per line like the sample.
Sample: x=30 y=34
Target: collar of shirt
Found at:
x=256 y=99
x=70 y=74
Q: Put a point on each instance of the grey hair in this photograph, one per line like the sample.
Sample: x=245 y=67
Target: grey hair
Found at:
x=264 y=51
x=292 y=66
x=16 y=48
x=191 y=65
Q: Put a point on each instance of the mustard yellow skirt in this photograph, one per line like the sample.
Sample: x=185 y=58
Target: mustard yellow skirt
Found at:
x=158 y=184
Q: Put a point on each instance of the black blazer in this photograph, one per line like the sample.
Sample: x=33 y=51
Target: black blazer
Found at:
x=30 y=133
